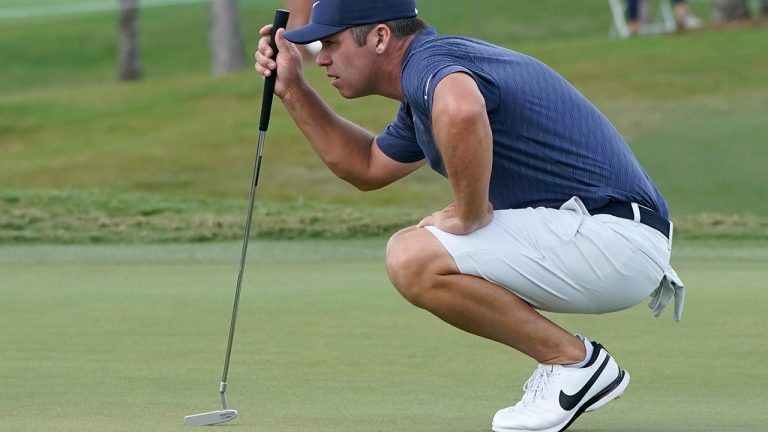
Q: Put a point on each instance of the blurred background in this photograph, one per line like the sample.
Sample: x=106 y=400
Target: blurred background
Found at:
x=120 y=121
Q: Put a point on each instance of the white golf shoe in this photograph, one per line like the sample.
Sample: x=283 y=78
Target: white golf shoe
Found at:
x=556 y=395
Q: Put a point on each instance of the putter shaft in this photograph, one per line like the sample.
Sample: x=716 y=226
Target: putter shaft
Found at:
x=241 y=272
x=214 y=417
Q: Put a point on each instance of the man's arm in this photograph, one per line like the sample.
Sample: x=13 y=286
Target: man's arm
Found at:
x=463 y=135
x=348 y=150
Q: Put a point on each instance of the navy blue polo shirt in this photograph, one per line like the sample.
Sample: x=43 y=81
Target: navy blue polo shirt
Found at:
x=549 y=142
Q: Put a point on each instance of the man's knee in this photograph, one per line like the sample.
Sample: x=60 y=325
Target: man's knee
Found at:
x=415 y=262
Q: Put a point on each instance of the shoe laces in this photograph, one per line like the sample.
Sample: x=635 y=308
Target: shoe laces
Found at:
x=537 y=385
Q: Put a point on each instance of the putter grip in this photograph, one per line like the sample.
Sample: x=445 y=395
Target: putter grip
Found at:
x=281 y=20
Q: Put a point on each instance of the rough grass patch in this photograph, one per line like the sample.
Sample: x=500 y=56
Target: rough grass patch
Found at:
x=74 y=216
x=109 y=217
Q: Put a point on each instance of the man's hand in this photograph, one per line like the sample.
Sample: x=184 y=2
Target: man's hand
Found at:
x=288 y=61
x=449 y=221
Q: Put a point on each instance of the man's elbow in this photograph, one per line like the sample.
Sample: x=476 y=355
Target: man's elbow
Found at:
x=363 y=184
x=371 y=186
x=358 y=177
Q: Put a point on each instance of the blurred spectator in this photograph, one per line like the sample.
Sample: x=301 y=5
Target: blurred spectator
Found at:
x=729 y=10
x=301 y=12
x=685 y=20
x=737 y=10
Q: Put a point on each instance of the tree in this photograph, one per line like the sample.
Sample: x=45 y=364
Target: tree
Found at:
x=729 y=10
x=227 y=52
x=129 y=64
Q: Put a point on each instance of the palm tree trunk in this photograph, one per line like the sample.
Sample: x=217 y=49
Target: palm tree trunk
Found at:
x=129 y=63
x=227 y=52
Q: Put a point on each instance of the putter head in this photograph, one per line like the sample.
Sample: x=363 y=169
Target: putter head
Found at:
x=210 y=418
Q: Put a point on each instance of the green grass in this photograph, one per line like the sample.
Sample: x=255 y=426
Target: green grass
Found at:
x=98 y=216
x=692 y=107
x=101 y=217
x=81 y=47
x=131 y=338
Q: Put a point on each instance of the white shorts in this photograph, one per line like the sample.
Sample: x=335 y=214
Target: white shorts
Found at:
x=566 y=260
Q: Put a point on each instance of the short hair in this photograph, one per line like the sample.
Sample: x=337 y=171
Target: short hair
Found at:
x=401 y=28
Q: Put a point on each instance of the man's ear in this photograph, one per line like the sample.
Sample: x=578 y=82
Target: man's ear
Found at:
x=382 y=35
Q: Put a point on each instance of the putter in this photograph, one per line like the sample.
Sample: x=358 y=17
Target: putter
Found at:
x=226 y=414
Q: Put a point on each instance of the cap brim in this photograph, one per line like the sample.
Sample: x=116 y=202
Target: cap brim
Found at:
x=311 y=33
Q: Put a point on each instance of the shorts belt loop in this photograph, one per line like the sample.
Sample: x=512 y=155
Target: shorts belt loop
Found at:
x=635 y=212
x=671 y=232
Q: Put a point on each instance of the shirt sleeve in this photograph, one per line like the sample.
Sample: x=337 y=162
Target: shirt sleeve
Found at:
x=436 y=77
x=428 y=67
x=398 y=141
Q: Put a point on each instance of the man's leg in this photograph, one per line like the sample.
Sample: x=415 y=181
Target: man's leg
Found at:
x=427 y=276
x=685 y=19
x=633 y=16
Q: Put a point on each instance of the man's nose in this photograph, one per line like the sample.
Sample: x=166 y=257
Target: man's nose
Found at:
x=322 y=58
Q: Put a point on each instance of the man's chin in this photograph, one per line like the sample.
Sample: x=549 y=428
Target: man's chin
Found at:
x=346 y=92
x=350 y=95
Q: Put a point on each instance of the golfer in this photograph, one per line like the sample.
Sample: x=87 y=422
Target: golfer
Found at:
x=550 y=209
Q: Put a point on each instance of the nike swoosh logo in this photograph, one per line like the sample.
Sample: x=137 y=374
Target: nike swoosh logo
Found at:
x=569 y=402
x=315 y=4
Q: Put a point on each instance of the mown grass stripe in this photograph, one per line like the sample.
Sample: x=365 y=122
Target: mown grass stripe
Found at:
x=82 y=8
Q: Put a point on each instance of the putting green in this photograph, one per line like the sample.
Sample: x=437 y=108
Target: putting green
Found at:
x=132 y=338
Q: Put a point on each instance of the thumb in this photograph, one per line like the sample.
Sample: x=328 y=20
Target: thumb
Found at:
x=280 y=41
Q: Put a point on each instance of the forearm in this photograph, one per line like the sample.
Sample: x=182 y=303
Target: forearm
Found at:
x=468 y=159
x=342 y=145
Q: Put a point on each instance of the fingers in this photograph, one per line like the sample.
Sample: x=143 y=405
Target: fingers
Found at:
x=430 y=220
x=264 y=63
x=427 y=221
